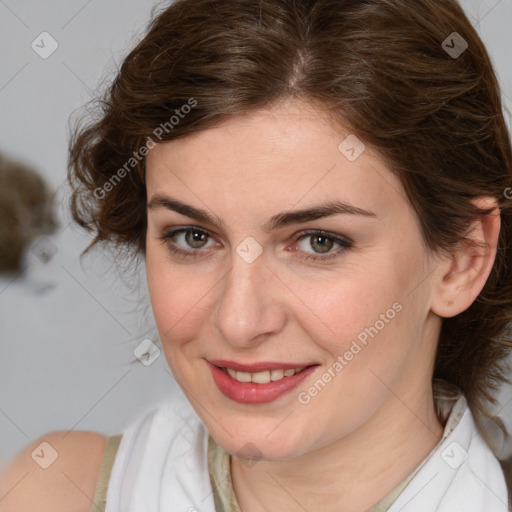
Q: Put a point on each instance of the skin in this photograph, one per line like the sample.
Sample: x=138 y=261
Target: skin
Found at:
x=67 y=485
x=374 y=422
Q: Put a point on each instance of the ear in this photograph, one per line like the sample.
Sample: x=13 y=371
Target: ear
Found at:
x=465 y=272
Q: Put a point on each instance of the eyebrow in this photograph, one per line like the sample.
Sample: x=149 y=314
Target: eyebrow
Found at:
x=277 y=221
x=314 y=213
x=159 y=201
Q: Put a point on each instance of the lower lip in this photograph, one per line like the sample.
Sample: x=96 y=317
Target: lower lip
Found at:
x=252 y=393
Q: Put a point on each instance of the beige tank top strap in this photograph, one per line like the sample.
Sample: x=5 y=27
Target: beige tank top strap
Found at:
x=100 y=495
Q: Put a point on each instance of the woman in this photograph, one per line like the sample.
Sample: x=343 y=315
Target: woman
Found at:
x=319 y=192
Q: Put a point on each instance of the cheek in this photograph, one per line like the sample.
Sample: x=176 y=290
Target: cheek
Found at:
x=350 y=305
x=179 y=299
x=368 y=318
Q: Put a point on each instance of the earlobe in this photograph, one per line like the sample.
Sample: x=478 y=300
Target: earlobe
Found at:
x=468 y=267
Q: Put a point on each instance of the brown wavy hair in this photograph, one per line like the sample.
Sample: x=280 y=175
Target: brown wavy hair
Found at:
x=378 y=66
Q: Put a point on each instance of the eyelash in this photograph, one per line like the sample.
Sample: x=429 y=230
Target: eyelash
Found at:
x=343 y=242
x=168 y=238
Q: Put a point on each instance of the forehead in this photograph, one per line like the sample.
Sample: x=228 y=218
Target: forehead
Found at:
x=274 y=158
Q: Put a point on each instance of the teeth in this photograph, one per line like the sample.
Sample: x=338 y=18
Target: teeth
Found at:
x=276 y=374
x=243 y=377
x=263 y=377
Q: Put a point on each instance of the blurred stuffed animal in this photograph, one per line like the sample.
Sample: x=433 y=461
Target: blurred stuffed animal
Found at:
x=26 y=211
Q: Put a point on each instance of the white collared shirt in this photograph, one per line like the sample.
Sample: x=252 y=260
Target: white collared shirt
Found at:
x=162 y=466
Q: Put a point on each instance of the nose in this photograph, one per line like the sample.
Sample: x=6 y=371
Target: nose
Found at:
x=249 y=310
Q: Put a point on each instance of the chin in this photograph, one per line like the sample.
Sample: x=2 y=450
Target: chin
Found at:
x=256 y=444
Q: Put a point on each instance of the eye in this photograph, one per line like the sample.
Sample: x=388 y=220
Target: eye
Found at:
x=319 y=243
x=187 y=241
x=194 y=238
x=322 y=245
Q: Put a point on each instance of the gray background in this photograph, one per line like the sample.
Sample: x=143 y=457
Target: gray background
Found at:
x=68 y=327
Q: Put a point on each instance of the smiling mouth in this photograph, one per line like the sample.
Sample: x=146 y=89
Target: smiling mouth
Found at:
x=263 y=377
x=259 y=382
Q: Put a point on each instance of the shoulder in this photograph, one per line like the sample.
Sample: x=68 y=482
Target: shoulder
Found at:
x=57 y=472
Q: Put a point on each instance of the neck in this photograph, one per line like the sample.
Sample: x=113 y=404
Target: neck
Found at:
x=355 y=472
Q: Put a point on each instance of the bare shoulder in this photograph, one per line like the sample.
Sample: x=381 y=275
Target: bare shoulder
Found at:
x=57 y=472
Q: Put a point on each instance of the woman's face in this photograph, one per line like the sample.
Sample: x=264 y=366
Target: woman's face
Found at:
x=276 y=244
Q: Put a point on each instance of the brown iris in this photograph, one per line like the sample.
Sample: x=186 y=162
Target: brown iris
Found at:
x=321 y=243
x=196 y=238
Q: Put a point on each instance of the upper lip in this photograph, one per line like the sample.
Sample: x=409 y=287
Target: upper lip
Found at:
x=256 y=367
